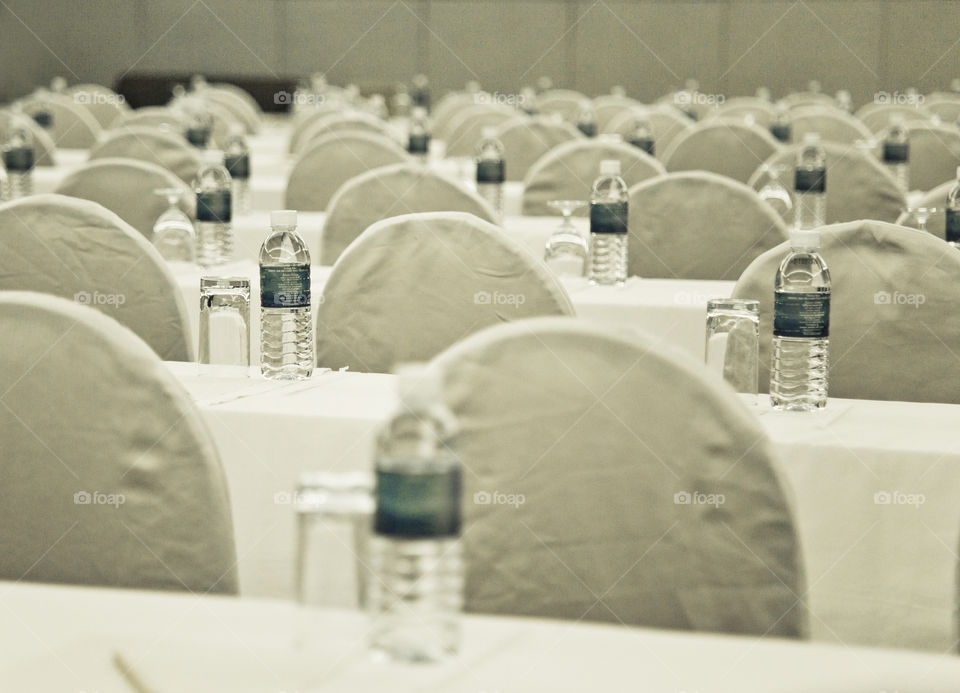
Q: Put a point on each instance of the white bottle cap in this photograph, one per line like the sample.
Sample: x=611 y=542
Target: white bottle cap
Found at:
x=808 y=239
x=283 y=217
x=488 y=132
x=610 y=167
x=419 y=386
x=811 y=138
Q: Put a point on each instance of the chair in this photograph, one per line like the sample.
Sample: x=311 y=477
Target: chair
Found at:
x=125 y=187
x=682 y=103
x=154 y=117
x=763 y=112
x=858 y=186
x=567 y=171
x=241 y=94
x=945 y=106
x=804 y=99
x=338 y=122
x=643 y=492
x=239 y=108
x=104 y=104
x=877 y=116
x=110 y=476
x=666 y=122
x=566 y=102
x=448 y=108
x=526 y=140
x=730 y=148
x=80 y=251
x=933 y=199
x=390 y=191
x=412 y=285
x=73 y=126
x=160 y=147
x=332 y=160
x=608 y=107
x=465 y=130
x=43 y=146
x=934 y=154
x=832 y=124
x=698 y=225
x=894 y=326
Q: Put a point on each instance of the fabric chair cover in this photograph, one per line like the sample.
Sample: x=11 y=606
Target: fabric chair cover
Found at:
x=858 y=186
x=154 y=117
x=43 y=146
x=934 y=199
x=833 y=125
x=334 y=159
x=390 y=191
x=305 y=120
x=698 y=225
x=338 y=123
x=465 y=131
x=448 y=108
x=606 y=439
x=73 y=125
x=934 y=154
x=80 y=251
x=803 y=99
x=877 y=116
x=110 y=476
x=103 y=104
x=894 y=327
x=125 y=187
x=730 y=148
x=566 y=102
x=740 y=107
x=681 y=103
x=567 y=171
x=241 y=111
x=945 y=106
x=608 y=107
x=526 y=140
x=161 y=147
x=241 y=94
x=666 y=122
x=412 y=285
x=223 y=123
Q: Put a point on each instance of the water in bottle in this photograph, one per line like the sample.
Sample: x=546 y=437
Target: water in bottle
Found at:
x=896 y=152
x=642 y=135
x=416 y=596
x=952 y=214
x=844 y=101
x=236 y=159
x=199 y=124
x=418 y=143
x=286 y=322
x=420 y=93
x=214 y=191
x=780 y=127
x=587 y=119
x=491 y=170
x=18 y=159
x=810 y=184
x=801 y=327
x=608 y=226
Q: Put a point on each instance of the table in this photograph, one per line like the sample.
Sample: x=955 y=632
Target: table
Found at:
x=57 y=638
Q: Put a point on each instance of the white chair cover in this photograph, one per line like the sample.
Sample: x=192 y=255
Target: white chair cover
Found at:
x=154 y=117
x=74 y=127
x=803 y=99
x=608 y=107
x=567 y=171
x=161 y=147
x=526 y=140
x=740 y=107
x=353 y=121
x=566 y=102
x=43 y=146
x=894 y=327
x=602 y=440
x=80 y=251
x=877 y=116
x=109 y=475
x=104 y=104
x=447 y=110
x=730 y=148
x=665 y=121
x=390 y=191
x=332 y=160
x=241 y=94
x=833 y=125
x=466 y=129
x=412 y=285
x=238 y=107
x=934 y=154
x=698 y=225
x=681 y=103
x=934 y=199
x=945 y=106
x=125 y=187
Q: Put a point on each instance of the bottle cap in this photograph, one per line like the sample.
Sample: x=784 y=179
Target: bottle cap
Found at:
x=610 y=167
x=418 y=385
x=808 y=239
x=283 y=217
x=488 y=132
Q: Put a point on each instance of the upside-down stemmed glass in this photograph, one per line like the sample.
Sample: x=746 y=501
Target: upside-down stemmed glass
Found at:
x=567 y=250
x=775 y=192
x=921 y=215
x=173 y=233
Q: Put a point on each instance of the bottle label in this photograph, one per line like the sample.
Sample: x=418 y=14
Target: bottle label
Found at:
x=214 y=206
x=18 y=159
x=419 y=144
x=645 y=144
x=781 y=131
x=491 y=171
x=810 y=180
x=198 y=137
x=953 y=225
x=896 y=153
x=608 y=217
x=418 y=506
x=238 y=165
x=588 y=129
x=801 y=315
x=285 y=286
x=43 y=118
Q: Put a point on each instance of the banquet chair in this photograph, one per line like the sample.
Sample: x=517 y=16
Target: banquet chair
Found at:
x=803 y=99
x=103 y=104
x=698 y=225
x=681 y=102
x=110 y=477
x=832 y=124
x=153 y=145
x=154 y=117
x=390 y=191
x=332 y=160
x=666 y=122
x=240 y=93
x=894 y=327
x=730 y=148
x=239 y=109
x=634 y=486
x=223 y=123
x=934 y=154
x=43 y=145
x=465 y=130
x=609 y=106
x=526 y=140
x=125 y=187
x=448 y=108
x=567 y=171
x=740 y=107
x=877 y=116
x=566 y=102
x=858 y=185
x=932 y=199
x=412 y=285
x=945 y=106
x=73 y=126
x=336 y=123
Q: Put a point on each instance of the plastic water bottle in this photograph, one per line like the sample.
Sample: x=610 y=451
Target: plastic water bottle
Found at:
x=528 y=101
x=810 y=183
x=608 y=226
x=213 y=188
x=420 y=92
x=287 y=349
x=801 y=327
x=236 y=159
x=844 y=101
x=417 y=593
x=952 y=214
x=587 y=119
x=199 y=125
x=491 y=170
x=780 y=127
x=18 y=158
x=418 y=142
x=896 y=151
x=642 y=135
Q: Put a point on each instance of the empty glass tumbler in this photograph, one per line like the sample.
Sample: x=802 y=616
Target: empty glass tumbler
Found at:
x=225 y=321
x=733 y=342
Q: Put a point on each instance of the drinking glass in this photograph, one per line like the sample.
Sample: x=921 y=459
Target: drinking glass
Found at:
x=225 y=321
x=173 y=234
x=567 y=250
x=733 y=342
x=775 y=192
x=921 y=215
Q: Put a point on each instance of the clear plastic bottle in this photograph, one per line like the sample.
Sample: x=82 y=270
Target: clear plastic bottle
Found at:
x=952 y=214
x=420 y=92
x=642 y=135
x=780 y=127
x=528 y=101
x=896 y=151
x=236 y=159
x=810 y=184
x=418 y=142
x=608 y=226
x=417 y=594
x=199 y=124
x=287 y=350
x=58 y=85
x=587 y=119
x=214 y=190
x=763 y=93
x=18 y=159
x=844 y=101
x=801 y=327
x=491 y=170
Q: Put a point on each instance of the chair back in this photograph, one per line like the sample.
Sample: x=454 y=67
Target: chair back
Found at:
x=153 y=145
x=526 y=140
x=730 y=148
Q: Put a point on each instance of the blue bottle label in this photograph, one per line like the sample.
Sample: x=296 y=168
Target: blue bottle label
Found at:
x=588 y=129
x=418 y=505
x=214 y=206
x=237 y=165
x=801 y=315
x=810 y=180
x=896 y=153
x=285 y=286
x=198 y=137
x=953 y=225
x=608 y=217
x=491 y=172
x=645 y=144
x=43 y=118
x=18 y=159
x=419 y=144
x=781 y=131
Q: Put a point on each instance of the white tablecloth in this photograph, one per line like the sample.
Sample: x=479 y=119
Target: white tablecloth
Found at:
x=71 y=639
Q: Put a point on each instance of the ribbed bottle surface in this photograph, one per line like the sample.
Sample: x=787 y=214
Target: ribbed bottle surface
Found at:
x=287 y=349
